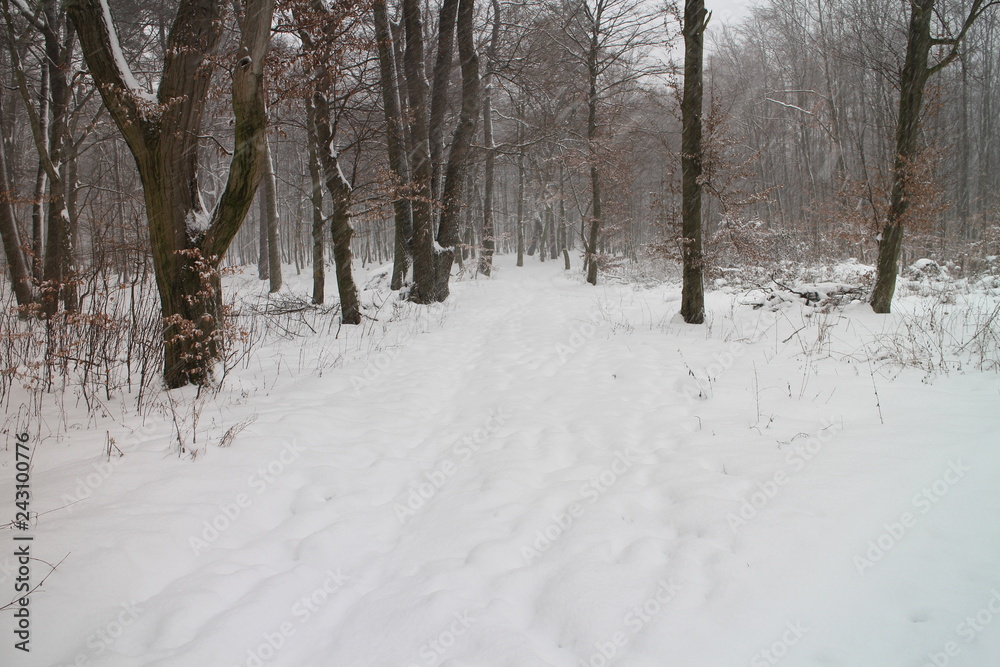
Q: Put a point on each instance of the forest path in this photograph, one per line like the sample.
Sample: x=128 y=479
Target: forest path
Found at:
x=545 y=473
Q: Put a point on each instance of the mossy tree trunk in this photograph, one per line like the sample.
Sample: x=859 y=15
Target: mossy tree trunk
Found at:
x=163 y=133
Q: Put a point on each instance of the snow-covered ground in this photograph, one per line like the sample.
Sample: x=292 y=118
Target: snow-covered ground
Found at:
x=541 y=473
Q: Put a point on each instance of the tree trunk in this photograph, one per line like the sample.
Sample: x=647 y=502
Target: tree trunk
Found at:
x=693 y=289
x=395 y=145
x=964 y=151
x=19 y=277
x=263 y=240
x=340 y=218
x=595 y=173
x=543 y=242
x=489 y=242
x=553 y=233
x=439 y=91
x=316 y=197
x=458 y=159
x=59 y=40
x=270 y=197
x=163 y=134
x=912 y=82
x=420 y=164
x=41 y=181
x=563 y=228
x=520 y=193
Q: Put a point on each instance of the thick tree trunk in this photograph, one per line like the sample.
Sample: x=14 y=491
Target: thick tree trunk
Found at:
x=693 y=288
x=458 y=159
x=188 y=242
x=395 y=144
x=913 y=80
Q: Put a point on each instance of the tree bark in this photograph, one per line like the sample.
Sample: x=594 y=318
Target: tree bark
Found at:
x=19 y=277
x=520 y=190
x=913 y=80
x=340 y=218
x=395 y=144
x=595 y=172
x=316 y=196
x=489 y=242
x=458 y=159
x=270 y=198
x=163 y=133
x=420 y=159
x=49 y=138
x=563 y=227
x=693 y=289
x=439 y=90
x=41 y=182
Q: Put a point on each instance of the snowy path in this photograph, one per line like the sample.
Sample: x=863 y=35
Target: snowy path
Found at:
x=537 y=481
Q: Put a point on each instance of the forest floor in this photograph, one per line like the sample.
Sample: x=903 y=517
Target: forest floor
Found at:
x=540 y=472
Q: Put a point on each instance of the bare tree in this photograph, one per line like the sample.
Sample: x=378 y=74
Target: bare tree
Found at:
x=20 y=278
x=163 y=133
x=693 y=288
x=50 y=131
x=269 y=208
x=420 y=157
x=395 y=143
x=322 y=48
x=917 y=70
x=458 y=157
x=610 y=40
x=489 y=242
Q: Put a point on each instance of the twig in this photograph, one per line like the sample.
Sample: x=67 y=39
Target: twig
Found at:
x=39 y=584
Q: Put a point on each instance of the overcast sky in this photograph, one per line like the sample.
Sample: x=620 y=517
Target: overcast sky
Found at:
x=727 y=10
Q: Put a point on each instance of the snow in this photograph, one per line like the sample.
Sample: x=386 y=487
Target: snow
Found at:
x=124 y=71
x=539 y=472
x=198 y=220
